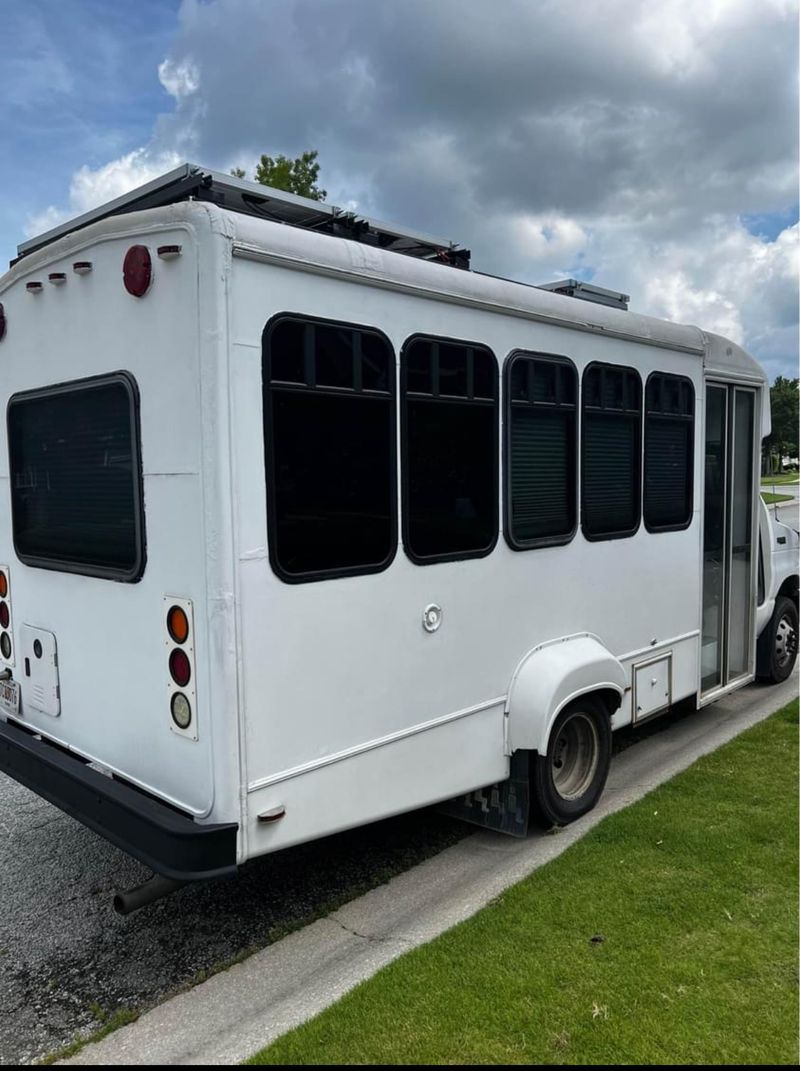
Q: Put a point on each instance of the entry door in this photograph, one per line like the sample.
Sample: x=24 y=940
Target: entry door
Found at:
x=729 y=535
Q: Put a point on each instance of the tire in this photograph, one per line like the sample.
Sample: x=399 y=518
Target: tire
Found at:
x=776 y=651
x=569 y=780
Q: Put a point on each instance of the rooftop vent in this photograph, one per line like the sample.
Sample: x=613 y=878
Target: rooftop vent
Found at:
x=588 y=292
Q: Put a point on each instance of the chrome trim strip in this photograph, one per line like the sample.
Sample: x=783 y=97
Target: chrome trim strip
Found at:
x=371 y=745
x=656 y=647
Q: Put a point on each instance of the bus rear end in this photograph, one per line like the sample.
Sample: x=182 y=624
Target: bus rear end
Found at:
x=105 y=648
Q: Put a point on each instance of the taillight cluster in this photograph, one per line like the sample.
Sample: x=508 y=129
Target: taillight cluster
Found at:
x=179 y=641
x=6 y=641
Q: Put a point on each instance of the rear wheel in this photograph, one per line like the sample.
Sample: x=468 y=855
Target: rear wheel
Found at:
x=568 y=781
x=777 y=645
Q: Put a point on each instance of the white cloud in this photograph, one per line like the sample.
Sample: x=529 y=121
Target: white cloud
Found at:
x=179 y=79
x=626 y=145
x=90 y=188
x=548 y=237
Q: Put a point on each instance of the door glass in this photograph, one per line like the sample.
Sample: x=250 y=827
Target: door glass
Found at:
x=741 y=535
x=714 y=538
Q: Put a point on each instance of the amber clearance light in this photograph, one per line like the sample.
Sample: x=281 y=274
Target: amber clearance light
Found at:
x=178 y=624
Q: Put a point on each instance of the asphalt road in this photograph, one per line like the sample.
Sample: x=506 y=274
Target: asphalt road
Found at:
x=66 y=958
x=786 y=512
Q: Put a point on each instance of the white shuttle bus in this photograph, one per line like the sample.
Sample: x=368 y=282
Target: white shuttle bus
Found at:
x=306 y=524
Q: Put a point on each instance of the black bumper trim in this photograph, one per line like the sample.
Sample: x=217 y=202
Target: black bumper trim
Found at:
x=169 y=842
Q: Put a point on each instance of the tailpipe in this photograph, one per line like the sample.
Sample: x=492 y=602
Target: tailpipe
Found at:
x=153 y=889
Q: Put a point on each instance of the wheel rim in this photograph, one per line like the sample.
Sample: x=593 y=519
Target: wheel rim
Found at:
x=785 y=641
x=575 y=756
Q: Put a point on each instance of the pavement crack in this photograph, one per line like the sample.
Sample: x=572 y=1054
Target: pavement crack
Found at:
x=354 y=933
x=370 y=937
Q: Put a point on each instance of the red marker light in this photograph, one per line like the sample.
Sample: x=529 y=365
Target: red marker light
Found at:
x=137 y=270
x=4 y=614
x=180 y=667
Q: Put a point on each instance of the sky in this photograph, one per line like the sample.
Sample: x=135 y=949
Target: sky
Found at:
x=648 y=147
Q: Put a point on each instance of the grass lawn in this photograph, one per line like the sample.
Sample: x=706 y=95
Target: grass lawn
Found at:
x=780 y=477
x=770 y=499
x=668 y=934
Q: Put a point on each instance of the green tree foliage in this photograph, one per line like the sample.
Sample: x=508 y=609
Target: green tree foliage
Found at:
x=295 y=176
x=784 y=396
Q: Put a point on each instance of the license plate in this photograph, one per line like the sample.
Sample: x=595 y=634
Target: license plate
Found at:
x=9 y=697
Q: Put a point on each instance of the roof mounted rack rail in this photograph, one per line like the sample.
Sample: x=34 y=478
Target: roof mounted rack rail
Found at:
x=588 y=292
x=190 y=182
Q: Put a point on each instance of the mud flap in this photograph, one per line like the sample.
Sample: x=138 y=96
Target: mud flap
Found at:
x=503 y=807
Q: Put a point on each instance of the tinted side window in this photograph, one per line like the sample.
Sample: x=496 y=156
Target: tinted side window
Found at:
x=541 y=450
x=329 y=438
x=611 y=451
x=449 y=442
x=76 y=479
x=668 y=452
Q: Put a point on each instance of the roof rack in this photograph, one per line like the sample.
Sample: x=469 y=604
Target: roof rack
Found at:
x=190 y=182
x=588 y=292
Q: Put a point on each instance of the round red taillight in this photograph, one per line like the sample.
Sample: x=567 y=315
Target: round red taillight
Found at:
x=2 y=322
x=180 y=667
x=5 y=617
x=137 y=270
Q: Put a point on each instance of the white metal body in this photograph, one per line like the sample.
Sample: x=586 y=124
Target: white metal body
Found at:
x=328 y=701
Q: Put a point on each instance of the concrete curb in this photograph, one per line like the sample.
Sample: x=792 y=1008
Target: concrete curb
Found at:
x=237 y=1012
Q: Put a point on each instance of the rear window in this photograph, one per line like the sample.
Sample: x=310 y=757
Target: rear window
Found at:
x=75 y=476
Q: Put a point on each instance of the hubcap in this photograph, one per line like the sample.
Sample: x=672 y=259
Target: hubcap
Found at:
x=574 y=756
x=785 y=641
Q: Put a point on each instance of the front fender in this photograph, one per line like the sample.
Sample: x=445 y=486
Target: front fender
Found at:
x=549 y=677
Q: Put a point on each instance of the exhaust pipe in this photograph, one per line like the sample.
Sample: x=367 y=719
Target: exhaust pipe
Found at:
x=152 y=890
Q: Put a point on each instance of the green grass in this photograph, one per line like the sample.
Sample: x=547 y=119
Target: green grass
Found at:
x=780 y=477
x=111 y=1022
x=693 y=891
x=770 y=499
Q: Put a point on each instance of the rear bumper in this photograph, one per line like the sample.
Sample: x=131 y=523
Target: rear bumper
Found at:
x=169 y=842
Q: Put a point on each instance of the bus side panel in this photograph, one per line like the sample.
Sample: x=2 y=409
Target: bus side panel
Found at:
x=336 y=665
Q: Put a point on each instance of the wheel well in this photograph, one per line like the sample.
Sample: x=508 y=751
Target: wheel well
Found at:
x=789 y=588
x=610 y=699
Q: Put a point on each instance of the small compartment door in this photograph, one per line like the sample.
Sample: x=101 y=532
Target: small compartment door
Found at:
x=652 y=686
x=38 y=656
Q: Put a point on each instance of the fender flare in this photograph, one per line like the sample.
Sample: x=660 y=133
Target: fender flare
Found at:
x=552 y=675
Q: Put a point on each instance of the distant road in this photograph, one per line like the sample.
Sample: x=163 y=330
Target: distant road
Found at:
x=787 y=512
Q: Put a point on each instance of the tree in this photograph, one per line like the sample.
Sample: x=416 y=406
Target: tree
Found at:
x=295 y=176
x=783 y=439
